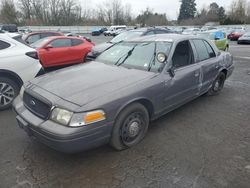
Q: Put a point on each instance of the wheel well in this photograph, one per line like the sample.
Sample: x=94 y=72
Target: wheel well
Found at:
x=12 y=76
x=148 y=105
x=224 y=71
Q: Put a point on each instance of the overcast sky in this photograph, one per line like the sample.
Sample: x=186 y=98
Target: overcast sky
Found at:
x=170 y=7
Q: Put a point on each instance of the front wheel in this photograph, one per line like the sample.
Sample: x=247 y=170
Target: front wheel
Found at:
x=8 y=91
x=130 y=127
x=217 y=85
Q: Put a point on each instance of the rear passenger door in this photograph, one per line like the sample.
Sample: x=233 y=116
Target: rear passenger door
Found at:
x=209 y=63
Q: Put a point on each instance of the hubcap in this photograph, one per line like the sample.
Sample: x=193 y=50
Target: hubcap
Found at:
x=132 y=128
x=218 y=84
x=6 y=94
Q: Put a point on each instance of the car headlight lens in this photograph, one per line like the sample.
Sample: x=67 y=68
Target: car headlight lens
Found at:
x=87 y=118
x=61 y=116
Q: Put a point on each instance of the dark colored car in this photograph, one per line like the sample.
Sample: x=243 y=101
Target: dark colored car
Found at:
x=113 y=99
x=97 y=32
x=236 y=34
x=12 y=28
x=35 y=36
x=126 y=35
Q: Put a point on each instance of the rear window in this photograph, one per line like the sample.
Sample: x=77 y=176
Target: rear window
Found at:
x=4 y=45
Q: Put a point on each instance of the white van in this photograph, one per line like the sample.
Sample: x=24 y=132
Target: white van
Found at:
x=114 y=28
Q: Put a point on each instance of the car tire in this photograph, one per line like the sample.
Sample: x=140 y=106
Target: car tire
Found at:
x=130 y=127
x=9 y=89
x=217 y=85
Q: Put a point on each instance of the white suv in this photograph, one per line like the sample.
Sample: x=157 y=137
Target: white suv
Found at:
x=18 y=64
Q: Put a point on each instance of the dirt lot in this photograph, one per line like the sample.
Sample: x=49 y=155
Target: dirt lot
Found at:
x=204 y=144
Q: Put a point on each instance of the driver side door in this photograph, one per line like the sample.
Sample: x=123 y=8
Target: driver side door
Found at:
x=184 y=82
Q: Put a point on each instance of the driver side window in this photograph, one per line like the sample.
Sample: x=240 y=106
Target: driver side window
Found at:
x=183 y=55
x=61 y=43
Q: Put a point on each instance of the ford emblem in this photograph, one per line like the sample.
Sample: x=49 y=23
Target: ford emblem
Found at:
x=33 y=103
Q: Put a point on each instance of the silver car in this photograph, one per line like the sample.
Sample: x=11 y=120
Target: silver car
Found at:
x=113 y=99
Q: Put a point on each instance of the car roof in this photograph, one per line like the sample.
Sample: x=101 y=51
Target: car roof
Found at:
x=163 y=37
x=11 y=35
x=63 y=37
x=39 y=32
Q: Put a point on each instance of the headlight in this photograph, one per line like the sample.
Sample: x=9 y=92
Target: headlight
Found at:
x=21 y=92
x=87 y=118
x=61 y=116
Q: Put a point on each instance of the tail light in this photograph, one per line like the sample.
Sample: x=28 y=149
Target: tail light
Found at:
x=33 y=55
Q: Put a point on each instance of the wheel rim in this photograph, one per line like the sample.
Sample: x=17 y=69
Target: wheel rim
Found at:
x=219 y=84
x=7 y=94
x=132 y=129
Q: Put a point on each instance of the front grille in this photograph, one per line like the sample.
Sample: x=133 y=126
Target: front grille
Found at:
x=37 y=105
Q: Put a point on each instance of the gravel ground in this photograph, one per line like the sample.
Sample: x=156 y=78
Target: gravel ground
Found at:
x=204 y=144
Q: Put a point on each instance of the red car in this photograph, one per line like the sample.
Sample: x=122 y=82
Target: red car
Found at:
x=62 y=50
x=235 y=35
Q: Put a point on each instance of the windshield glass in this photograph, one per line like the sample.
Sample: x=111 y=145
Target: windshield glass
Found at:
x=126 y=35
x=137 y=55
x=40 y=43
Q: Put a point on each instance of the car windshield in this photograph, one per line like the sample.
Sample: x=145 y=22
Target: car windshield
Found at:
x=40 y=43
x=137 y=55
x=126 y=35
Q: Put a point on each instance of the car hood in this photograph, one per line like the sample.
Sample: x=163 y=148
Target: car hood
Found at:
x=245 y=38
x=101 y=47
x=84 y=83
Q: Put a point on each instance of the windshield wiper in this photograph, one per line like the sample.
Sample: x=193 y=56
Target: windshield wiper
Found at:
x=127 y=56
x=152 y=62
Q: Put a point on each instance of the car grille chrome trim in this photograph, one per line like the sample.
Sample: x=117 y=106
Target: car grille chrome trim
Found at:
x=36 y=104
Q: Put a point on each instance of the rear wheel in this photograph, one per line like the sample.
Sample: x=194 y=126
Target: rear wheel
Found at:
x=8 y=91
x=130 y=127
x=218 y=85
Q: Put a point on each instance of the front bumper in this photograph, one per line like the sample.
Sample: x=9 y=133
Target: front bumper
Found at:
x=61 y=138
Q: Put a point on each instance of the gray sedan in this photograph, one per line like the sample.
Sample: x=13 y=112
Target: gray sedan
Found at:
x=113 y=99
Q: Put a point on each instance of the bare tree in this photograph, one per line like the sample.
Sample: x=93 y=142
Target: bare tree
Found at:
x=8 y=12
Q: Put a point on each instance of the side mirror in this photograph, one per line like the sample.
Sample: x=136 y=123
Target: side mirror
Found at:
x=48 y=47
x=171 y=71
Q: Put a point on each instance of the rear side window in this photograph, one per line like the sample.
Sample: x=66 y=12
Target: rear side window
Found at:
x=201 y=50
x=4 y=45
x=76 y=42
x=61 y=43
x=209 y=49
